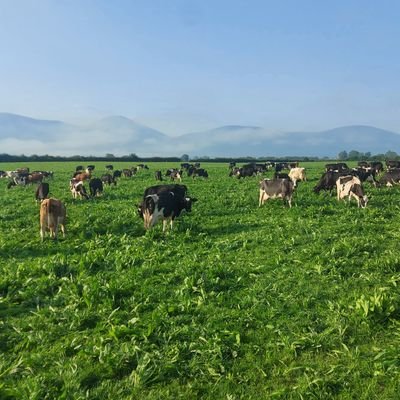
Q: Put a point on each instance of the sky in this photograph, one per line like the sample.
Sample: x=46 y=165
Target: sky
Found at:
x=184 y=66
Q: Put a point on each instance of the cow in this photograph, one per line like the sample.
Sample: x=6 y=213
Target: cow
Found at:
x=197 y=165
x=350 y=189
x=82 y=176
x=127 y=173
x=390 y=178
x=185 y=165
x=177 y=189
x=77 y=189
x=42 y=191
x=245 y=171
x=392 y=164
x=363 y=164
x=281 y=175
x=232 y=164
x=297 y=174
x=164 y=206
x=79 y=168
x=90 y=168
x=158 y=175
x=276 y=188
x=95 y=187
x=342 y=180
x=176 y=175
x=22 y=170
x=293 y=164
x=109 y=167
x=336 y=167
x=108 y=179
x=52 y=215
x=377 y=166
x=117 y=174
x=200 y=172
x=328 y=181
x=367 y=174
x=279 y=166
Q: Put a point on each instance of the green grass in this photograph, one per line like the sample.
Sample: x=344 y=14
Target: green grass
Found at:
x=238 y=302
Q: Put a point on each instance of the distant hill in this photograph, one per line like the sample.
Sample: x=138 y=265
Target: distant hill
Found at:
x=120 y=135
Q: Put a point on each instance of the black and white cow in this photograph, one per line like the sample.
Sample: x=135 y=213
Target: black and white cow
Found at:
x=276 y=188
x=336 y=167
x=95 y=187
x=159 y=203
x=78 y=189
x=42 y=191
x=108 y=179
x=390 y=178
x=350 y=186
x=109 y=167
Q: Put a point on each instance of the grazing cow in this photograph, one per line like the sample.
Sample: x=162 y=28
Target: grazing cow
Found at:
x=197 y=165
x=363 y=164
x=117 y=174
x=42 y=191
x=367 y=174
x=328 y=180
x=127 y=173
x=164 y=206
x=109 y=167
x=158 y=175
x=377 y=166
x=342 y=180
x=245 y=171
x=77 y=189
x=392 y=164
x=297 y=174
x=52 y=215
x=350 y=189
x=22 y=170
x=200 y=172
x=390 y=178
x=336 y=167
x=79 y=168
x=107 y=179
x=90 y=168
x=276 y=188
x=293 y=164
x=185 y=165
x=232 y=164
x=95 y=187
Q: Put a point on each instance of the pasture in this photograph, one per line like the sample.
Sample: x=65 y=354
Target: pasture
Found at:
x=238 y=302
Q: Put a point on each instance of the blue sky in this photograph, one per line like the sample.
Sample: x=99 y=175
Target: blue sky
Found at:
x=183 y=66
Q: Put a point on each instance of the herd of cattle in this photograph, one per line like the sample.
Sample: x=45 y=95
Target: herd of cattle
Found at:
x=167 y=201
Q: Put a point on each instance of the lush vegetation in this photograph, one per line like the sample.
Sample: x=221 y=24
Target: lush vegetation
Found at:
x=238 y=302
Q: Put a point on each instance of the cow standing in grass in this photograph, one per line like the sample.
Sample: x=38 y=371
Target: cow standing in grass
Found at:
x=52 y=216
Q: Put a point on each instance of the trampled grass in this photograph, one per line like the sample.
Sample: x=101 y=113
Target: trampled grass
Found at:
x=238 y=302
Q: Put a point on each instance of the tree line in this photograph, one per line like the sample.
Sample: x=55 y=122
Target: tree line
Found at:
x=355 y=155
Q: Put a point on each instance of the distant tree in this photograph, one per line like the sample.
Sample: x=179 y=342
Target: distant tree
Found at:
x=354 y=155
x=391 y=155
x=185 y=157
x=109 y=155
x=342 y=155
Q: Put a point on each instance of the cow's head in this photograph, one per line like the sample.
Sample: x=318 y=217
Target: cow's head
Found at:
x=188 y=203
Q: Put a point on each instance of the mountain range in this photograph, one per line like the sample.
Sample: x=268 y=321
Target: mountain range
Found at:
x=119 y=135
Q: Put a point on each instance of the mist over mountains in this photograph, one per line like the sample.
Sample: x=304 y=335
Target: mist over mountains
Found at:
x=119 y=135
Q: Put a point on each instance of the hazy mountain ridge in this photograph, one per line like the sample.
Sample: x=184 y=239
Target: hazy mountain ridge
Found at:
x=120 y=135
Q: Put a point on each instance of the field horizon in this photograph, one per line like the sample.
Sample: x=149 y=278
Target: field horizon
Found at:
x=237 y=302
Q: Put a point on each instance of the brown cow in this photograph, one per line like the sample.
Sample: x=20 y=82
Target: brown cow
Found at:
x=82 y=176
x=52 y=214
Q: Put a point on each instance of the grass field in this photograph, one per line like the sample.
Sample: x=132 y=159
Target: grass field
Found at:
x=238 y=302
